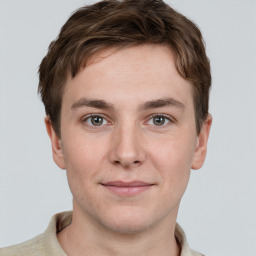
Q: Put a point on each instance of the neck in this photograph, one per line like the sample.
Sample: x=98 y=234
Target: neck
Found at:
x=84 y=238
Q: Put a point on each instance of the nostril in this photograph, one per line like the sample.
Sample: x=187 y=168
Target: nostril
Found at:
x=126 y=164
x=116 y=162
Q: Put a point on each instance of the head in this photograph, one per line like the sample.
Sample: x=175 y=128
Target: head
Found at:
x=122 y=24
x=125 y=87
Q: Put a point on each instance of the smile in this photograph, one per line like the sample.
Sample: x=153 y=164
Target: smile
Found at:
x=127 y=188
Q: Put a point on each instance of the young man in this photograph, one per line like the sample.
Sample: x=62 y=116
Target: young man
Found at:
x=126 y=88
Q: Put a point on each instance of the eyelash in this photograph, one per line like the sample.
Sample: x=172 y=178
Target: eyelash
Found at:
x=88 y=117
x=166 y=117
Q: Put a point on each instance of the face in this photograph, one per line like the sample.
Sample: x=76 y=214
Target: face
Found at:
x=128 y=138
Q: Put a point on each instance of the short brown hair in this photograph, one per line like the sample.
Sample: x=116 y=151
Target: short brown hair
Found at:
x=113 y=23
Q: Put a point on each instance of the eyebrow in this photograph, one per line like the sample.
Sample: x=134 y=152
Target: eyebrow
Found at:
x=159 y=103
x=101 y=104
x=92 y=104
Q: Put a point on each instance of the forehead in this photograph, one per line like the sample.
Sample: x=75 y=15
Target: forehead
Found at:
x=141 y=72
x=136 y=60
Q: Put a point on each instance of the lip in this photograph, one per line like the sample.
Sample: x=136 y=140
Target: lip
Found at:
x=123 y=188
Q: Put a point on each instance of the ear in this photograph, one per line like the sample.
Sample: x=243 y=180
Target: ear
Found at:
x=56 y=143
x=201 y=144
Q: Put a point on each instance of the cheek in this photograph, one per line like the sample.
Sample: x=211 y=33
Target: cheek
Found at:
x=173 y=160
x=82 y=151
x=173 y=153
x=83 y=160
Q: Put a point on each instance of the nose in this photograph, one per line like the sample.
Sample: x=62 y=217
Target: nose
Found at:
x=127 y=147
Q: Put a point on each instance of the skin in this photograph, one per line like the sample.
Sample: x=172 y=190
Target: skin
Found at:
x=129 y=144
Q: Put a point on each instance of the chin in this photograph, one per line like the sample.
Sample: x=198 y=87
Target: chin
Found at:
x=129 y=221
x=128 y=227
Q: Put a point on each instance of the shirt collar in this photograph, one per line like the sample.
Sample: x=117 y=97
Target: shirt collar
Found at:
x=61 y=220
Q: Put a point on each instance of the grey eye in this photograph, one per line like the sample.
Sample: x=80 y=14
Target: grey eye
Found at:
x=159 y=120
x=96 y=120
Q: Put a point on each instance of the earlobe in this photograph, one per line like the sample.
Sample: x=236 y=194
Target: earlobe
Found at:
x=201 y=144
x=56 y=143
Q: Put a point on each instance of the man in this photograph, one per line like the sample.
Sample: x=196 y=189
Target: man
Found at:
x=125 y=88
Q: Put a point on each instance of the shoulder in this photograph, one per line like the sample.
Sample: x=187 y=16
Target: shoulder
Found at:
x=45 y=244
x=26 y=248
x=195 y=253
x=182 y=241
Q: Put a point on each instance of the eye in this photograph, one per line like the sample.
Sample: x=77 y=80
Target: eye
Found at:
x=95 y=120
x=159 y=120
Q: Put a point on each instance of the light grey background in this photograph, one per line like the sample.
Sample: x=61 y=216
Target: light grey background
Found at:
x=218 y=211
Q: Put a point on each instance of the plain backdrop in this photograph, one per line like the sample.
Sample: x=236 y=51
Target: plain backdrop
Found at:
x=218 y=211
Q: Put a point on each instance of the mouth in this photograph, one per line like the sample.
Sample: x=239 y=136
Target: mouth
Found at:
x=131 y=188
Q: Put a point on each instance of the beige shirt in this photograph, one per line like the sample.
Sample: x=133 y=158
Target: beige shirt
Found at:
x=47 y=243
